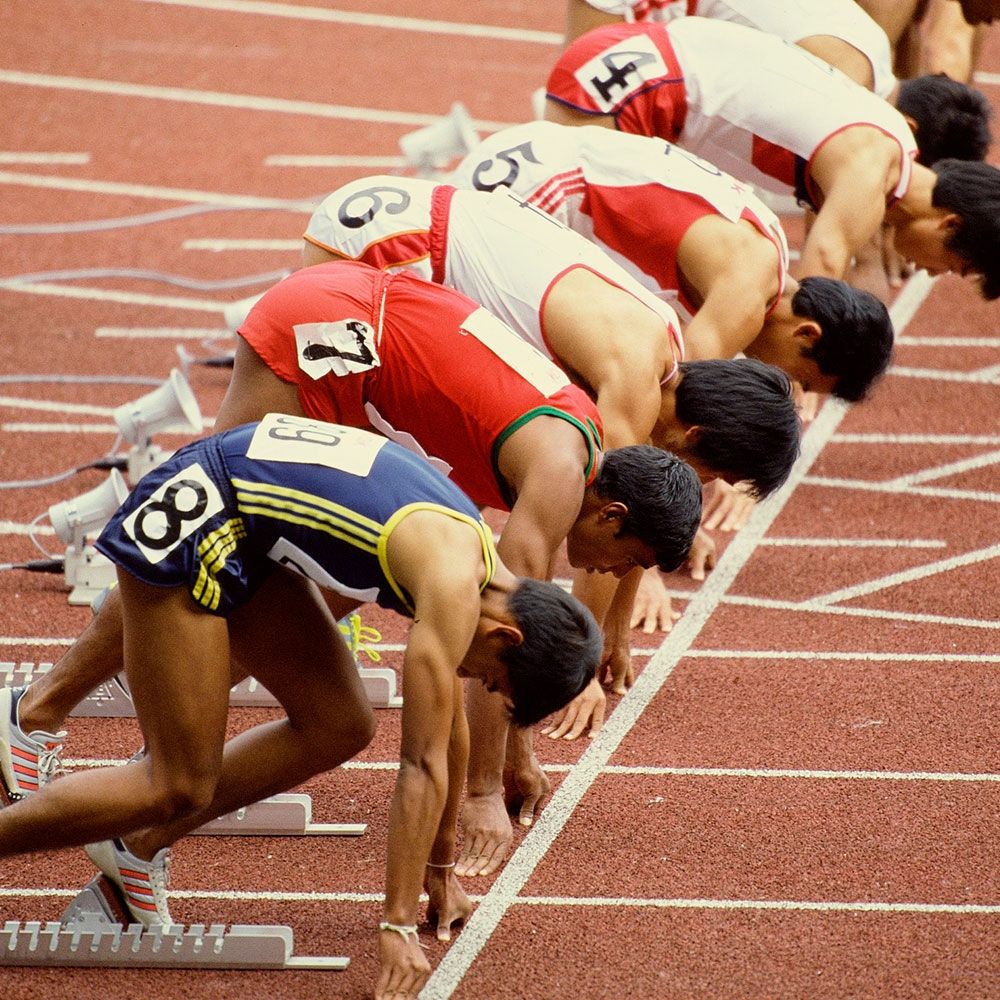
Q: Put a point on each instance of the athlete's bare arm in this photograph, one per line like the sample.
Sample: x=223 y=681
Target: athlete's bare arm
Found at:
x=431 y=557
x=854 y=173
x=615 y=347
x=734 y=274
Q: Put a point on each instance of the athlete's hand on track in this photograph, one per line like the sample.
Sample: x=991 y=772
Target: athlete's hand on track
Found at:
x=652 y=610
x=447 y=902
x=525 y=786
x=487 y=834
x=586 y=709
x=404 y=967
x=725 y=507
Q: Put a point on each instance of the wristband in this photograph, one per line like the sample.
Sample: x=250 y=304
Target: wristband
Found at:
x=450 y=864
x=403 y=930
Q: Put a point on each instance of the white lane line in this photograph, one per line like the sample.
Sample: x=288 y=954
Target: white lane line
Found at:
x=15 y=640
x=681 y=772
x=218 y=99
x=422 y=25
x=943 y=375
x=47 y=428
x=55 y=406
x=800 y=774
x=521 y=865
x=948 y=341
x=163 y=332
x=856 y=543
x=13 y=528
x=909 y=439
x=907 y=576
x=867 y=486
x=335 y=160
x=46 y=158
x=759 y=904
x=107 y=295
x=191 y=195
x=951 y=469
x=654 y=903
x=879 y=614
x=986 y=79
x=873 y=656
x=220 y=245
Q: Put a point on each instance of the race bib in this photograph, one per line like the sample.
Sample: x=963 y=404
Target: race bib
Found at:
x=344 y=347
x=621 y=70
x=518 y=354
x=177 y=508
x=283 y=438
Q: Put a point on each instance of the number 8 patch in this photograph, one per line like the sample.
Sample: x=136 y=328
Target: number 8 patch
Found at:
x=181 y=505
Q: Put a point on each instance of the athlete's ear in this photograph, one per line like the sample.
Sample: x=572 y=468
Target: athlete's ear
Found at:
x=913 y=124
x=692 y=435
x=950 y=222
x=808 y=330
x=613 y=511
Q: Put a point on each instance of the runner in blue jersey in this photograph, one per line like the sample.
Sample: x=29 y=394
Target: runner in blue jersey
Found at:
x=219 y=553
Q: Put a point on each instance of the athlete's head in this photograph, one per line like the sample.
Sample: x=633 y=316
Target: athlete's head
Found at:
x=559 y=652
x=970 y=192
x=855 y=338
x=739 y=422
x=643 y=509
x=949 y=119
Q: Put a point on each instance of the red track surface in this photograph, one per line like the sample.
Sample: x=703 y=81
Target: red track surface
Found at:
x=799 y=798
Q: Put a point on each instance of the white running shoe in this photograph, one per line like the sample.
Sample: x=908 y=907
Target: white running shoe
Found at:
x=27 y=760
x=142 y=884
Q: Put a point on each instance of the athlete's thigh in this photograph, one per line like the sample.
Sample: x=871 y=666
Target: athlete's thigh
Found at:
x=177 y=666
x=288 y=639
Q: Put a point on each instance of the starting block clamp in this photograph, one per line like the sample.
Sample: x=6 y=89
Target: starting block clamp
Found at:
x=288 y=815
x=89 y=937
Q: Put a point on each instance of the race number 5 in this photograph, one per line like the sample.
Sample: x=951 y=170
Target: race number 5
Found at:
x=508 y=156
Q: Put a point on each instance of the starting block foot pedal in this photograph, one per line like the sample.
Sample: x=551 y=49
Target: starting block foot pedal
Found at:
x=288 y=815
x=89 y=937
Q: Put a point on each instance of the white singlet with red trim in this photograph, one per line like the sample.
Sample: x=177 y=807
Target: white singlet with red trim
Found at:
x=634 y=196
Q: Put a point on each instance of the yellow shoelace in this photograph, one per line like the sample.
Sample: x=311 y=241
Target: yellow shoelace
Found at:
x=359 y=636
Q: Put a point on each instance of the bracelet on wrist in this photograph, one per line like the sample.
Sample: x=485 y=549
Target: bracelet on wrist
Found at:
x=403 y=930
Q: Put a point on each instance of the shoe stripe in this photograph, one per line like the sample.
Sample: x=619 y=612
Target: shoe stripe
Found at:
x=32 y=758
x=28 y=772
x=142 y=904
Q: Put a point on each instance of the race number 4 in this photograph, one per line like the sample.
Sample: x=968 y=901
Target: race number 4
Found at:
x=620 y=71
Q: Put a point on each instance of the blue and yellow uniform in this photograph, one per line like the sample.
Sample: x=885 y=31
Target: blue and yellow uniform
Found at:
x=319 y=498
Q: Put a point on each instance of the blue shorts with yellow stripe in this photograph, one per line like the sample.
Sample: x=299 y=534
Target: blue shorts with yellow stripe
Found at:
x=317 y=498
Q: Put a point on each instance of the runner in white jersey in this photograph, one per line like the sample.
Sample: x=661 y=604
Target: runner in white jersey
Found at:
x=558 y=291
x=760 y=109
x=698 y=238
x=837 y=31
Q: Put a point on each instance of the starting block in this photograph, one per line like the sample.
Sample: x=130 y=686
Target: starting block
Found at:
x=90 y=935
x=111 y=699
x=288 y=815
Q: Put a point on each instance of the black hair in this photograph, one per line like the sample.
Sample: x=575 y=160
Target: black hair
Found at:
x=952 y=118
x=855 y=343
x=663 y=496
x=560 y=653
x=749 y=425
x=972 y=192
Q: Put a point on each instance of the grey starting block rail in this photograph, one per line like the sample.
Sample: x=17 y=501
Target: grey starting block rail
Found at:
x=288 y=815
x=88 y=937
x=111 y=700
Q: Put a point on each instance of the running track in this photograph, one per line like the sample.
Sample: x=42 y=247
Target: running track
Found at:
x=799 y=797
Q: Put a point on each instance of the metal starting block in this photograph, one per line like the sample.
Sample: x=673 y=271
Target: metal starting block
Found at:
x=288 y=815
x=90 y=936
x=111 y=699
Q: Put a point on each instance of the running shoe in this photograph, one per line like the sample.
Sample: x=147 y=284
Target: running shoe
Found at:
x=142 y=885
x=27 y=760
x=360 y=637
